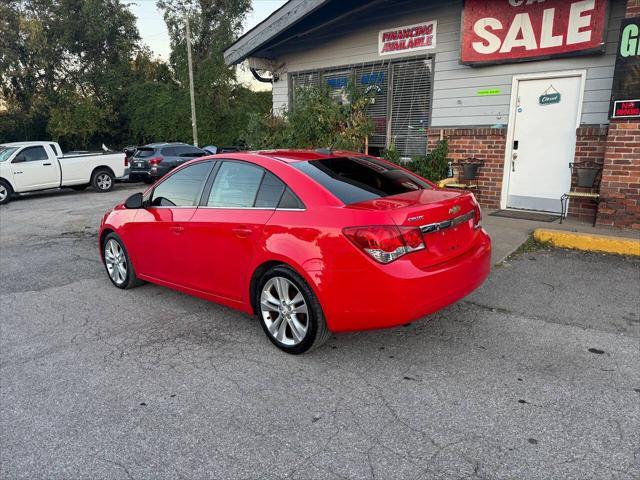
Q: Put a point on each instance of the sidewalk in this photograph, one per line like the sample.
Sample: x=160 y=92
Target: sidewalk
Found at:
x=507 y=234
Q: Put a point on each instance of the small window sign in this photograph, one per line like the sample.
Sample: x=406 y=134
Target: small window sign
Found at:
x=626 y=109
x=486 y=92
x=549 y=98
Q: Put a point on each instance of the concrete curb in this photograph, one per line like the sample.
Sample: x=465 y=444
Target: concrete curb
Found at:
x=588 y=242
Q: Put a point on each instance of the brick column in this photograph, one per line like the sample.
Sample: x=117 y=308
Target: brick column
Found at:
x=590 y=147
x=484 y=143
x=633 y=8
x=620 y=187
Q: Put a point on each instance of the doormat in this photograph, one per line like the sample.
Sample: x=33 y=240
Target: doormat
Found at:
x=521 y=215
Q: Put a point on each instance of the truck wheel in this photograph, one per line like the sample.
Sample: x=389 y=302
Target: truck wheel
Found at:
x=102 y=181
x=6 y=192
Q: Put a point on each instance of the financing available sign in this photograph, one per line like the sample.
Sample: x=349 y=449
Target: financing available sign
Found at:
x=506 y=31
x=407 y=39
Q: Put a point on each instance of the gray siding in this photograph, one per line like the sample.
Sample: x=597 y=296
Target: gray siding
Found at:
x=455 y=100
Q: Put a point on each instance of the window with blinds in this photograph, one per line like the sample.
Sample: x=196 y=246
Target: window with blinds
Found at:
x=401 y=102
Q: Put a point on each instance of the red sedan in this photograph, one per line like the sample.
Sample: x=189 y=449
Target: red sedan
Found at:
x=310 y=242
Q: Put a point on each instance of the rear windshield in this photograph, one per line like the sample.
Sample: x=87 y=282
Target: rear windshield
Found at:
x=355 y=180
x=144 y=152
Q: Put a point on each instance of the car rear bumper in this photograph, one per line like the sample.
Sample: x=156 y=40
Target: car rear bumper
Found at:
x=393 y=295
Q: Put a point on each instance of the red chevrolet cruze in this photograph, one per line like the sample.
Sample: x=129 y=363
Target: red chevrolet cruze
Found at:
x=311 y=242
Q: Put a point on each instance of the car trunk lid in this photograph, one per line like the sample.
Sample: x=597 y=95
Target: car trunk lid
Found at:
x=446 y=219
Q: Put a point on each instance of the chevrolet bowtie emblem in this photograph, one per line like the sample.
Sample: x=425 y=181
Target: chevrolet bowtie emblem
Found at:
x=454 y=210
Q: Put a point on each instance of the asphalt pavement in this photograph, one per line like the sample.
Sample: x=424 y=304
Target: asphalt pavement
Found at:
x=534 y=376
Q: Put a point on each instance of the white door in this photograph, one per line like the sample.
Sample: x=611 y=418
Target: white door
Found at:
x=544 y=142
x=35 y=168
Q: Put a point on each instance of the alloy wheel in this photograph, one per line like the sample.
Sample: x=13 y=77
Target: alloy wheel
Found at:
x=3 y=192
x=284 y=311
x=116 y=262
x=103 y=181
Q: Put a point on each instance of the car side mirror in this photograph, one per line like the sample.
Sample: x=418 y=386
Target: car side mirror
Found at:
x=134 y=201
x=19 y=158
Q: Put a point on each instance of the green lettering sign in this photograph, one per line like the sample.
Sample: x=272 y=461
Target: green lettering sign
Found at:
x=629 y=43
x=490 y=91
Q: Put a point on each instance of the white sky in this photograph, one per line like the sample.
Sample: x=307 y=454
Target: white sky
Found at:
x=154 y=32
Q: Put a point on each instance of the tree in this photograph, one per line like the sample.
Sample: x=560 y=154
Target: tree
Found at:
x=214 y=25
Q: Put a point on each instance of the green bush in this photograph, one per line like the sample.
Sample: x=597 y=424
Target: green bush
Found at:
x=432 y=166
x=315 y=120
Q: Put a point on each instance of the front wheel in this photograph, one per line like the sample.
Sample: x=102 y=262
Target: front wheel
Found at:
x=117 y=263
x=102 y=181
x=289 y=311
x=5 y=192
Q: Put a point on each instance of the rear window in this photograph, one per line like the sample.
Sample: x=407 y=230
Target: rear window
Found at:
x=355 y=180
x=144 y=152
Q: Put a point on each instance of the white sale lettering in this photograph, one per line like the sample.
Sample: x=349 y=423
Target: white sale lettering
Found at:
x=532 y=26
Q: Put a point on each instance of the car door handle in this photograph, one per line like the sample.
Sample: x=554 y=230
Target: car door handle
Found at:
x=242 y=232
x=46 y=164
x=177 y=229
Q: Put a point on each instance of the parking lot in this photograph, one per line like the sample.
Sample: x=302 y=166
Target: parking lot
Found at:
x=534 y=376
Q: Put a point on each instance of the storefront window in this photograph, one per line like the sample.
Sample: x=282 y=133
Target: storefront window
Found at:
x=401 y=101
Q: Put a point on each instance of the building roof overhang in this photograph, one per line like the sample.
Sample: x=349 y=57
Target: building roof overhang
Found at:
x=275 y=25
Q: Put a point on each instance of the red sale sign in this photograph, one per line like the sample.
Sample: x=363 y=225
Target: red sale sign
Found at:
x=501 y=31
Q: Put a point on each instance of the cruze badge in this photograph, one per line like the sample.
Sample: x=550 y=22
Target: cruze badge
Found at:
x=413 y=219
x=454 y=210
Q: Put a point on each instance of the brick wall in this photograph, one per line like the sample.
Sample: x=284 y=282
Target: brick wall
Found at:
x=590 y=147
x=487 y=144
x=620 y=188
x=633 y=8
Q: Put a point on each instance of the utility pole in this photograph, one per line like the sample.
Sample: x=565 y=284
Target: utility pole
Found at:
x=194 y=123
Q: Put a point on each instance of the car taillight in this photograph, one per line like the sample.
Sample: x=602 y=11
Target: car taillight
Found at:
x=155 y=161
x=477 y=217
x=126 y=161
x=386 y=243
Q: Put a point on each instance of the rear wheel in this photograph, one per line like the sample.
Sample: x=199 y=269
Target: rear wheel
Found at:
x=102 y=181
x=289 y=311
x=117 y=263
x=6 y=192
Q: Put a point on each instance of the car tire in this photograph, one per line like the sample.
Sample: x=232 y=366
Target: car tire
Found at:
x=114 y=253
x=102 y=180
x=6 y=192
x=294 y=326
x=79 y=188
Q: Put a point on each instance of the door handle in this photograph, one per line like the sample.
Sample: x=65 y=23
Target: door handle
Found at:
x=242 y=232
x=177 y=229
x=46 y=164
x=513 y=162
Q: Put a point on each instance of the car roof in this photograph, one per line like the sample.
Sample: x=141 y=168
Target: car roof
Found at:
x=300 y=155
x=165 y=144
x=20 y=144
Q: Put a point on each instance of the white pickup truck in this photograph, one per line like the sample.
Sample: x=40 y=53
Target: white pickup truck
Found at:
x=31 y=166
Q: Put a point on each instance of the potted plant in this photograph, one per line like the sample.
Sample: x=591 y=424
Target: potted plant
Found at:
x=470 y=168
x=587 y=176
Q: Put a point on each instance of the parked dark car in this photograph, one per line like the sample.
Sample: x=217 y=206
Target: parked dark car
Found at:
x=213 y=150
x=155 y=160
